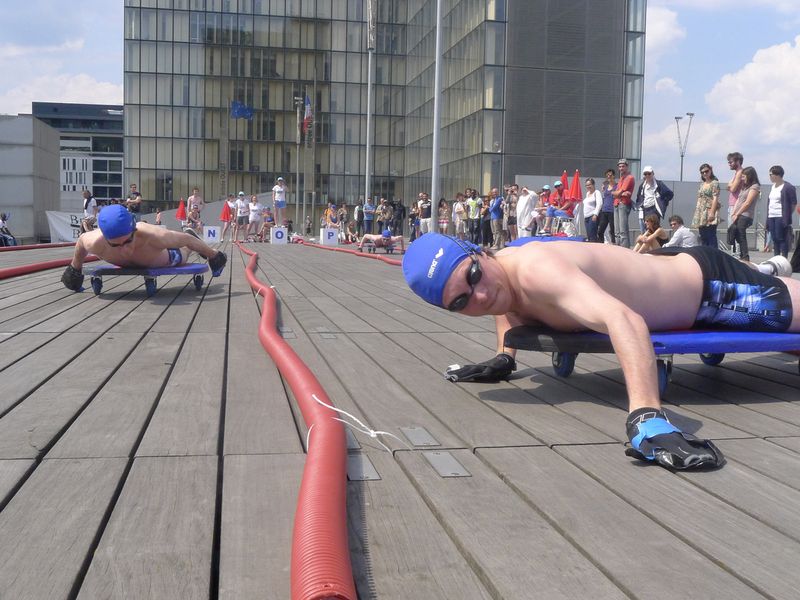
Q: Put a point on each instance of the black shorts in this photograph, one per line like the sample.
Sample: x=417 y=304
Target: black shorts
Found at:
x=243 y=220
x=736 y=296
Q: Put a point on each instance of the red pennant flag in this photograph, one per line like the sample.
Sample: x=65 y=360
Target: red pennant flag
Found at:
x=180 y=214
x=575 y=189
x=564 y=185
x=225 y=214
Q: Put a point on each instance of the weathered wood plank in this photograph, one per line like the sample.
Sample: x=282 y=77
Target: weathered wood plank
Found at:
x=48 y=527
x=258 y=418
x=511 y=547
x=753 y=551
x=24 y=344
x=11 y=472
x=158 y=542
x=187 y=419
x=766 y=457
x=142 y=318
x=792 y=443
x=397 y=546
x=113 y=421
x=259 y=494
x=28 y=429
x=612 y=533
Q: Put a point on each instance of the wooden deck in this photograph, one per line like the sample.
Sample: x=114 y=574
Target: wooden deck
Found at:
x=150 y=449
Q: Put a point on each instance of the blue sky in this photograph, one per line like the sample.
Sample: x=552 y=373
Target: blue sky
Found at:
x=736 y=67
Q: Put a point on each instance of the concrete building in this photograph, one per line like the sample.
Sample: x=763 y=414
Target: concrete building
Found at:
x=29 y=175
x=529 y=87
x=90 y=153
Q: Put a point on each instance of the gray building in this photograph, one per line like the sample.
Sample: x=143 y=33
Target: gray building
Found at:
x=28 y=175
x=529 y=87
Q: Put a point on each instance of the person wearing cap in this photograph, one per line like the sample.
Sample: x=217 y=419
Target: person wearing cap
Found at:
x=540 y=210
x=681 y=293
x=384 y=240
x=242 y=217
x=623 y=202
x=652 y=197
x=279 y=198
x=121 y=241
x=560 y=206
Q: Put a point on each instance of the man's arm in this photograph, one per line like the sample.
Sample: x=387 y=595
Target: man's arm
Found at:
x=79 y=255
x=735 y=182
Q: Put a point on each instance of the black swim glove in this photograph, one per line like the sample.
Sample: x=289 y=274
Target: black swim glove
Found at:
x=72 y=279
x=217 y=263
x=489 y=371
x=654 y=438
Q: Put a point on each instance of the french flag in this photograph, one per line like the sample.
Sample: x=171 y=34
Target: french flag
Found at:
x=308 y=116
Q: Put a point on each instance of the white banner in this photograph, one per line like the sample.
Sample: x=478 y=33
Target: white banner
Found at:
x=64 y=227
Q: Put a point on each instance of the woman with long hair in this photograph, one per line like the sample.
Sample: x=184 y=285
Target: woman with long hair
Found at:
x=444 y=216
x=743 y=210
x=706 y=211
x=653 y=237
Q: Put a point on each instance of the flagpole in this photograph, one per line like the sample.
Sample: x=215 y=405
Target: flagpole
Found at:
x=437 y=105
x=298 y=101
x=370 y=52
x=313 y=130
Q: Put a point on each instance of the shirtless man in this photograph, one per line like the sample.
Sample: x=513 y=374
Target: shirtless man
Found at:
x=123 y=242
x=569 y=286
x=384 y=240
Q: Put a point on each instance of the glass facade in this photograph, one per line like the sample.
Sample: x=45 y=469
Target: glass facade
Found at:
x=186 y=61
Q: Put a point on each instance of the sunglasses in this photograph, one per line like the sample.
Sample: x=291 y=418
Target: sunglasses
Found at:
x=125 y=243
x=705 y=172
x=474 y=274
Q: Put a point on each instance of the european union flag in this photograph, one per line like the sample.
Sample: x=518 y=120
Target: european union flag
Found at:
x=239 y=110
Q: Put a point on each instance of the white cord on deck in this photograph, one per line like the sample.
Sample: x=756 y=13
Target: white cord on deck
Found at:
x=362 y=428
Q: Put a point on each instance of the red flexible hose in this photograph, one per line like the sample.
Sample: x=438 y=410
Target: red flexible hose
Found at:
x=41 y=266
x=321 y=566
x=35 y=246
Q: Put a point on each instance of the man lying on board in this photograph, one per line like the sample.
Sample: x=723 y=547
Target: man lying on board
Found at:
x=123 y=242
x=384 y=240
x=569 y=286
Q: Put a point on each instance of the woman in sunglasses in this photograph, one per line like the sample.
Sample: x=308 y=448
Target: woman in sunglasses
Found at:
x=706 y=212
x=122 y=241
x=569 y=286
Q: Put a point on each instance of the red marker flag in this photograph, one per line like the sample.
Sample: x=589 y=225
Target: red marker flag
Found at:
x=180 y=214
x=575 y=189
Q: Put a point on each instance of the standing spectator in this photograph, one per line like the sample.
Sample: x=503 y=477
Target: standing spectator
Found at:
x=230 y=223
x=255 y=217
x=358 y=216
x=592 y=204
x=242 y=218
x=485 y=223
x=413 y=223
x=387 y=215
x=735 y=162
x=623 y=202
x=195 y=200
x=473 y=215
x=782 y=202
x=343 y=216
x=6 y=238
x=496 y=218
x=379 y=212
x=425 y=207
x=795 y=261
x=682 y=236
x=742 y=215
x=605 y=222
x=444 y=216
x=399 y=217
x=158 y=217
x=369 y=215
x=460 y=217
x=134 y=202
x=653 y=196
x=706 y=211
x=331 y=217
x=90 y=211
x=510 y=214
x=526 y=205
x=309 y=222
x=279 y=191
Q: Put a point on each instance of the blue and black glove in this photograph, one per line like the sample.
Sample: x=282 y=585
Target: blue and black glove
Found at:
x=72 y=279
x=217 y=263
x=654 y=438
x=490 y=371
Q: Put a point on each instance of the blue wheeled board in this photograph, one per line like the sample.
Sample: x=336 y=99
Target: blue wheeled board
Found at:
x=711 y=345
x=196 y=270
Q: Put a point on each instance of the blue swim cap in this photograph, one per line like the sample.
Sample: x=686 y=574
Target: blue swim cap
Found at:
x=386 y=233
x=429 y=262
x=115 y=221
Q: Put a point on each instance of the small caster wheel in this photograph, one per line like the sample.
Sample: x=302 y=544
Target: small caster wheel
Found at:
x=150 y=286
x=97 y=285
x=711 y=359
x=564 y=363
x=198 y=282
x=664 y=373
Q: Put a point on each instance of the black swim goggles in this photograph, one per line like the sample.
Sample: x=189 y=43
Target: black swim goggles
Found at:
x=125 y=243
x=474 y=274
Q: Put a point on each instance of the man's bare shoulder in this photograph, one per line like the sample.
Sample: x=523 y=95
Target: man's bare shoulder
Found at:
x=91 y=240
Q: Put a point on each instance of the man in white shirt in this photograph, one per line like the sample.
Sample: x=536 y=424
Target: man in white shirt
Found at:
x=255 y=216
x=242 y=217
x=279 y=199
x=526 y=203
x=90 y=210
x=682 y=236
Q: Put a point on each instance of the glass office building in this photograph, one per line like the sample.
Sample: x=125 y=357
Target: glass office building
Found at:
x=529 y=87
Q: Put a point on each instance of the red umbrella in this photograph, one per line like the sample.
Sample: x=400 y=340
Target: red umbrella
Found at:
x=225 y=215
x=575 y=188
x=565 y=185
x=180 y=214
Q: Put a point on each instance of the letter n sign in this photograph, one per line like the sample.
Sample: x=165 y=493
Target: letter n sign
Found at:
x=211 y=234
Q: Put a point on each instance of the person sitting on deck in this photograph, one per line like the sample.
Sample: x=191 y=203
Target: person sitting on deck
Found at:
x=384 y=240
x=686 y=287
x=122 y=241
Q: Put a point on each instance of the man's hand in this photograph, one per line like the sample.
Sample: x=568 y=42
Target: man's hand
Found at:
x=72 y=279
x=490 y=371
x=654 y=438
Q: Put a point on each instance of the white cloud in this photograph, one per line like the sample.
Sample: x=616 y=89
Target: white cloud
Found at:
x=782 y=6
x=663 y=33
x=15 y=51
x=80 y=88
x=667 y=85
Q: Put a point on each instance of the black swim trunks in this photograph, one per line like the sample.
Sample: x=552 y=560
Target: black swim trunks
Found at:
x=736 y=296
x=175 y=257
